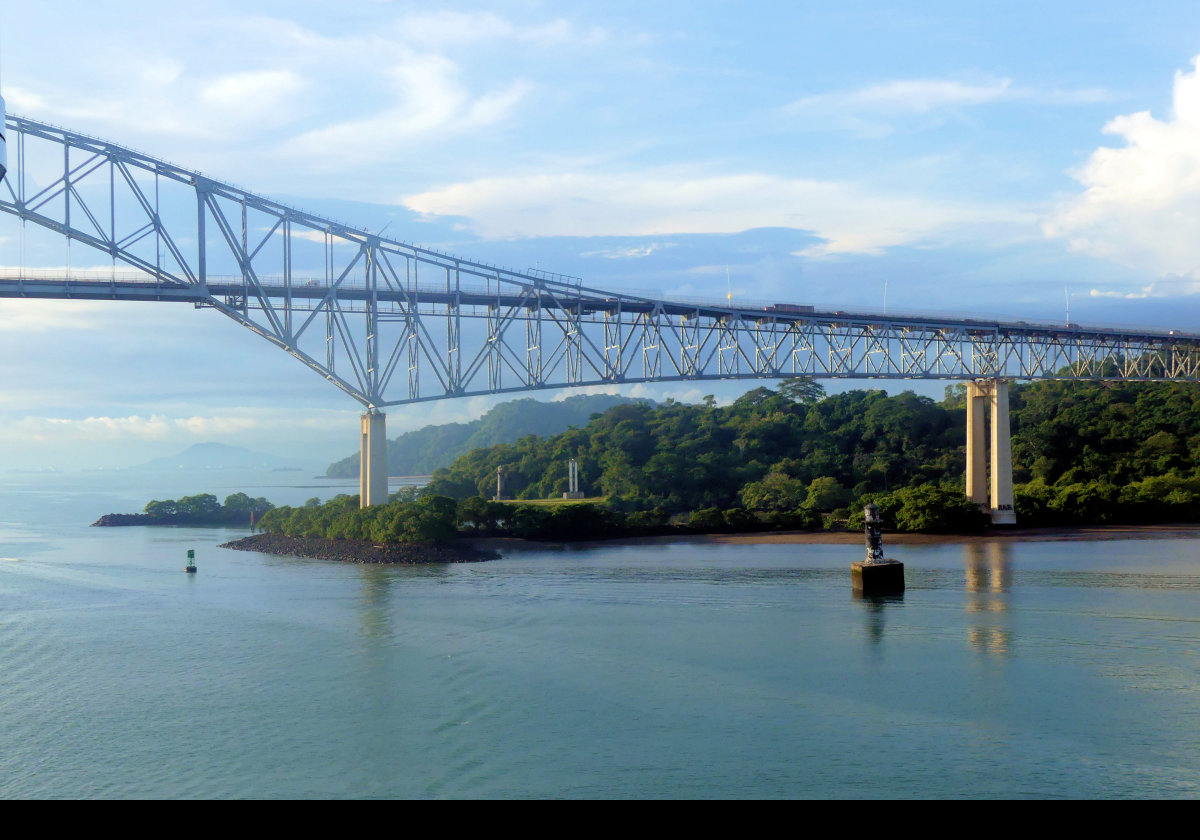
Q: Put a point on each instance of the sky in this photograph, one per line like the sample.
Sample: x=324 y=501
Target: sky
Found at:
x=998 y=159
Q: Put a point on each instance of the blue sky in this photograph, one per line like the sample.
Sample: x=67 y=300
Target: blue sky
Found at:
x=988 y=158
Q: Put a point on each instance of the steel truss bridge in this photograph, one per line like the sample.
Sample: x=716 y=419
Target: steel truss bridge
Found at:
x=392 y=323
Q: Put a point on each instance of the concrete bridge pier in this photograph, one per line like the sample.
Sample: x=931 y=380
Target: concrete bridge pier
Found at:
x=998 y=497
x=372 y=467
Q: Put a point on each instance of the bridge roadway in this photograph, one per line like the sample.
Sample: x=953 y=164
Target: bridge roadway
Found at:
x=474 y=302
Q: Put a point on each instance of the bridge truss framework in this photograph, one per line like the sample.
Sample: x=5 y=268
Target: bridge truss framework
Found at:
x=392 y=323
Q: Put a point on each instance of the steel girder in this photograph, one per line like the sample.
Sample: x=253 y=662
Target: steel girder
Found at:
x=392 y=323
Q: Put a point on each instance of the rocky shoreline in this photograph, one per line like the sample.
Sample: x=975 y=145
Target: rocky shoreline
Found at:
x=358 y=551
x=119 y=520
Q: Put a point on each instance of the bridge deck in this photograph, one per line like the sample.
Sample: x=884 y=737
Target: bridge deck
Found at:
x=475 y=302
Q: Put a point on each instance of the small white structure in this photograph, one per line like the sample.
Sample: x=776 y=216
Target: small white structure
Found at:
x=499 y=484
x=573 y=491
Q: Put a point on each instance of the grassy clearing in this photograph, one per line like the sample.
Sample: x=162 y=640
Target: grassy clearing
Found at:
x=590 y=500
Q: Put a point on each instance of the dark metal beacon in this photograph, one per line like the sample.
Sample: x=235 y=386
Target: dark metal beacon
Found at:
x=876 y=575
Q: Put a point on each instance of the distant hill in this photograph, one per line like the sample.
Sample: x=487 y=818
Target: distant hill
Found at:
x=219 y=456
x=424 y=450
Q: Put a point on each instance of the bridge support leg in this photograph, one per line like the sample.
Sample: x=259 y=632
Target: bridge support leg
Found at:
x=977 y=490
x=372 y=470
x=1003 y=512
x=999 y=501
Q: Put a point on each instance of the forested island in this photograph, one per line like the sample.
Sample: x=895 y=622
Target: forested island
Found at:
x=200 y=510
x=1085 y=453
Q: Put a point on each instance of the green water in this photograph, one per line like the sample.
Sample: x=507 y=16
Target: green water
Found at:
x=675 y=670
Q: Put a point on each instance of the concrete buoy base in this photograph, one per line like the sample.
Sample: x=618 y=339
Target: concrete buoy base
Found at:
x=880 y=578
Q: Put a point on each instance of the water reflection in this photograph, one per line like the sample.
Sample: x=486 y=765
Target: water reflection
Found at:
x=988 y=581
x=375 y=614
x=875 y=608
x=376 y=598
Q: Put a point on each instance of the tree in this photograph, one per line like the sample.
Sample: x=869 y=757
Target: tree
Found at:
x=707 y=520
x=928 y=507
x=199 y=507
x=826 y=493
x=802 y=389
x=775 y=492
x=163 y=510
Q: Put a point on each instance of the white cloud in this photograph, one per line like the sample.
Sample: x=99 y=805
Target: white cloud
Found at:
x=1169 y=287
x=429 y=100
x=659 y=393
x=44 y=429
x=232 y=426
x=253 y=91
x=906 y=95
x=28 y=315
x=628 y=251
x=876 y=110
x=449 y=28
x=920 y=96
x=848 y=217
x=1141 y=201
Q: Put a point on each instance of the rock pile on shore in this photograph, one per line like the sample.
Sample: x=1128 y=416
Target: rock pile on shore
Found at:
x=357 y=551
x=111 y=520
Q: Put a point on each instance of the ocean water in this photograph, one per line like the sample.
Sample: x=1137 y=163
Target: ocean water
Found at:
x=667 y=670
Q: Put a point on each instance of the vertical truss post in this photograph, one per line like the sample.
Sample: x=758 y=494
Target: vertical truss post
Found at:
x=454 y=332
x=651 y=344
x=533 y=340
x=612 y=344
x=372 y=321
x=201 y=236
x=574 y=348
x=495 y=363
x=689 y=327
x=727 y=346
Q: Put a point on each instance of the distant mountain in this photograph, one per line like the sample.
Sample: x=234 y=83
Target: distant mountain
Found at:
x=218 y=456
x=423 y=451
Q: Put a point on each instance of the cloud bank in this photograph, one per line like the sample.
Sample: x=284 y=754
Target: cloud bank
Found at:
x=848 y=217
x=1141 y=200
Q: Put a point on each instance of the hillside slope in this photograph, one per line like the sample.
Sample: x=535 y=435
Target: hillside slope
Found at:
x=422 y=451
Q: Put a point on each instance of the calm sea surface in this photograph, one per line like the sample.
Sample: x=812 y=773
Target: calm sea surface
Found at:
x=1030 y=670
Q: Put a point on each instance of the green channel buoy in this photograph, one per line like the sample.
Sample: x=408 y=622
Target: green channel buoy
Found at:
x=191 y=566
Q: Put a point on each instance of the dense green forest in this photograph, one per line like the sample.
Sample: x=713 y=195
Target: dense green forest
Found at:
x=422 y=451
x=1084 y=453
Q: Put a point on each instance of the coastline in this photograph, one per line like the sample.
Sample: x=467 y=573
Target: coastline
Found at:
x=1054 y=534
x=480 y=549
x=355 y=551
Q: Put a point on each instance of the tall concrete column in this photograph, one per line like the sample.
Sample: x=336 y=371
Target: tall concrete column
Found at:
x=977 y=489
x=372 y=465
x=1003 y=512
